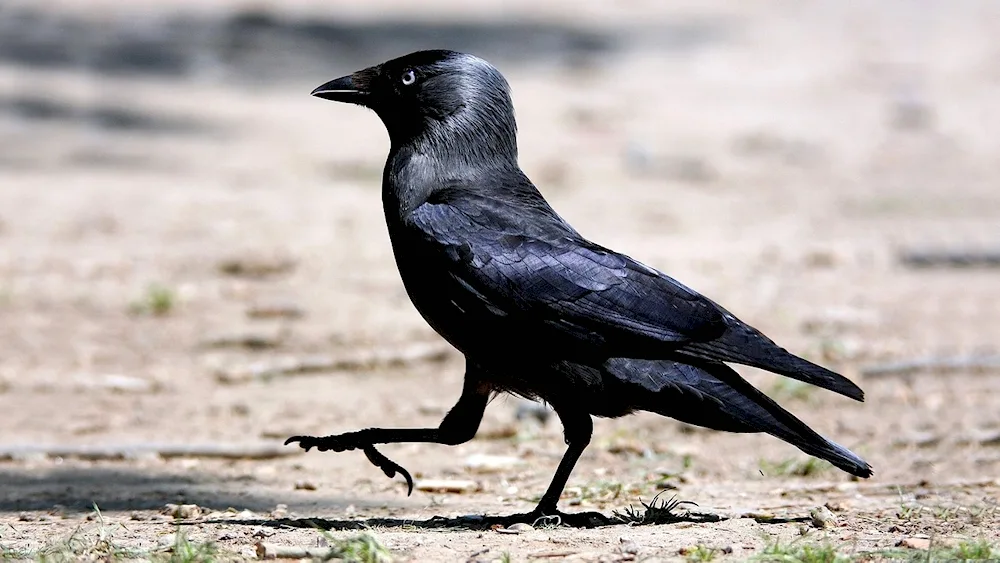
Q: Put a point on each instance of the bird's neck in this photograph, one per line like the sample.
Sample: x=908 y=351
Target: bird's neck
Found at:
x=416 y=169
x=475 y=135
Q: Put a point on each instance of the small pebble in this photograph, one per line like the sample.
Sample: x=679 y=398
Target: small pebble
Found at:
x=628 y=546
x=915 y=543
x=182 y=511
x=446 y=486
x=822 y=517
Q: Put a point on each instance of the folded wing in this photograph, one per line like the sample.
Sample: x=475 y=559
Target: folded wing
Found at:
x=543 y=274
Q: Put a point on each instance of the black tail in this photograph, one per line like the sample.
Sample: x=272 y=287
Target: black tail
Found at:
x=743 y=344
x=711 y=394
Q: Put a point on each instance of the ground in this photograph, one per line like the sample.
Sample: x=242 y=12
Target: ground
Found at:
x=178 y=217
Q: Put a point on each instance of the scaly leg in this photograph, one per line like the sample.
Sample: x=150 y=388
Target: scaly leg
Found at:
x=578 y=428
x=459 y=426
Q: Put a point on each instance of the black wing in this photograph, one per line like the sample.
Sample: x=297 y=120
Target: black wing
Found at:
x=557 y=278
x=535 y=269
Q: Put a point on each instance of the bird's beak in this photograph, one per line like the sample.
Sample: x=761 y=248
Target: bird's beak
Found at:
x=341 y=89
x=352 y=89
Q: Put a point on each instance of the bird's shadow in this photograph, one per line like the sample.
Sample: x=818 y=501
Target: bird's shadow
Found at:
x=471 y=522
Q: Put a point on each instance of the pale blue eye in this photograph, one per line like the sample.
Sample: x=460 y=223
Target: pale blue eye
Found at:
x=409 y=78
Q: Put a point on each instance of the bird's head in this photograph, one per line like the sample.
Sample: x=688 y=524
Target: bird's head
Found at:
x=439 y=96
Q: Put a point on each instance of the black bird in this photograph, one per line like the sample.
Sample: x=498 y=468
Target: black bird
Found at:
x=537 y=309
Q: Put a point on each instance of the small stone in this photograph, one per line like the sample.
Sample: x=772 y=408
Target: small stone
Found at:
x=304 y=486
x=182 y=511
x=837 y=505
x=915 y=543
x=822 y=517
x=446 y=486
x=628 y=547
x=759 y=516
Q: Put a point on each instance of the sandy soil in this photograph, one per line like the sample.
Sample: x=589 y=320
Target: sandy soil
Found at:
x=777 y=158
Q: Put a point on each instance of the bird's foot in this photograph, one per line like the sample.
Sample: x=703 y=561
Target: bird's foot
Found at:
x=337 y=443
x=348 y=441
x=542 y=518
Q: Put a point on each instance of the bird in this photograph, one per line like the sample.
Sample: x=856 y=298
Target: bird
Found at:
x=537 y=309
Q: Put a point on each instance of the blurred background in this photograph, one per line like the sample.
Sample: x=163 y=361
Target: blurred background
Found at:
x=192 y=249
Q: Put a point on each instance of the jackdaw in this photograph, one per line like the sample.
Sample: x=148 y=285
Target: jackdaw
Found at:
x=537 y=309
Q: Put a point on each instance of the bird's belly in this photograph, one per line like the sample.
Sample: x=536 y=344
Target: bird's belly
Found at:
x=463 y=327
x=460 y=317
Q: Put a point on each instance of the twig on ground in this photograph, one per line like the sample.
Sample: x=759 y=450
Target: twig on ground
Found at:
x=923 y=365
x=950 y=259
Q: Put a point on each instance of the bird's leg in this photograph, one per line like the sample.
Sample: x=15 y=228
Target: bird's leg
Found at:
x=458 y=426
x=578 y=428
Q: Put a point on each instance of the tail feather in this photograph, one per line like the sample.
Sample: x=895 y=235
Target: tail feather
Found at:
x=711 y=394
x=745 y=345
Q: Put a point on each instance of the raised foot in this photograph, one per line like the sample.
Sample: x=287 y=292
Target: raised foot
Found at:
x=538 y=518
x=342 y=442
x=336 y=443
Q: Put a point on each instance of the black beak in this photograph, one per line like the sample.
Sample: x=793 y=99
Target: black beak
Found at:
x=347 y=89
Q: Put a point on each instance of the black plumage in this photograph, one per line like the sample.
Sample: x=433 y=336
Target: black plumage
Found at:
x=537 y=309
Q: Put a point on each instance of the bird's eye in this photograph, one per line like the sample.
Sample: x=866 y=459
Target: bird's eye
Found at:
x=408 y=77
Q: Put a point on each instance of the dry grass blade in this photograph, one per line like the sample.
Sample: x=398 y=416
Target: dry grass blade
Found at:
x=655 y=512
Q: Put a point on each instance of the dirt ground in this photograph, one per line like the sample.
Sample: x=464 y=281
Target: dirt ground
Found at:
x=178 y=216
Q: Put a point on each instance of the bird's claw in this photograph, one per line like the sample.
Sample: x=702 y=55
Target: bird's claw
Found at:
x=389 y=467
x=341 y=442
